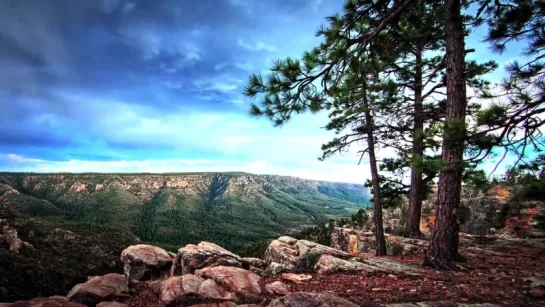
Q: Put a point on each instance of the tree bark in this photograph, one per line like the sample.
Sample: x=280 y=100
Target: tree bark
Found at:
x=444 y=241
x=412 y=225
x=380 y=242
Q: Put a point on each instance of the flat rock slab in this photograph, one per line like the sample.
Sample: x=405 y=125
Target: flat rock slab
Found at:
x=99 y=289
x=389 y=266
x=328 y=264
x=296 y=278
x=306 y=299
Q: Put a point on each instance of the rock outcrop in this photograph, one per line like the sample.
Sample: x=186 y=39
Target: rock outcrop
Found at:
x=144 y=262
x=328 y=264
x=305 y=299
x=191 y=289
x=205 y=254
x=356 y=242
x=243 y=283
x=99 y=289
x=8 y=236
x=288 y=254
x=277 y=288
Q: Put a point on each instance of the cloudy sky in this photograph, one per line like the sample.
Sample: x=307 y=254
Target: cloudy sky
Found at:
x=155 y=86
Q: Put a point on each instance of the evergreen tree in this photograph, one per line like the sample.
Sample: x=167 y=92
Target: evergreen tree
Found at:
x=353 y=104
x=444 y=241
x=514 y=119
x=321 y=80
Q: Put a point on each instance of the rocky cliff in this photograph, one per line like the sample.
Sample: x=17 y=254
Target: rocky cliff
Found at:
x=301 y=273
x=480 y=213
x=61 y=228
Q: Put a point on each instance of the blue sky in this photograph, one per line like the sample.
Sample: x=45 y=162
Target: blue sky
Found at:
x=155 y=86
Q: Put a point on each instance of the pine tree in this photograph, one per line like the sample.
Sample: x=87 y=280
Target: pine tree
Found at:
x=413 y=121
x=444 y=241
x=514 y=119
x=353 y=102
x=308 y=85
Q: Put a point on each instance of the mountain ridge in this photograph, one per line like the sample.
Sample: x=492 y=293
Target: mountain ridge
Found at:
x=175 y=174
x=233 y=208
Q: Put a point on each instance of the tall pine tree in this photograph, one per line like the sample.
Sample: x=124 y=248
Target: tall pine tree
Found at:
x=444 y=240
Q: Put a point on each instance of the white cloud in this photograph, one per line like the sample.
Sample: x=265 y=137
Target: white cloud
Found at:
x=236 y=101
x=258 y=46
x=222 y=84
x=220 y=66
x=311 y=170
x=245 y=66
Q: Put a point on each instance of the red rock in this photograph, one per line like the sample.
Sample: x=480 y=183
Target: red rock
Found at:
x=205 y=254
x=99 y=289
x=277 y=288
x=144 y=262
x=188 y=289
x=296 y=278
x=244 y=283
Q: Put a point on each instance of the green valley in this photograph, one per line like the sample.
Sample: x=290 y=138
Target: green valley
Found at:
x=171 y=210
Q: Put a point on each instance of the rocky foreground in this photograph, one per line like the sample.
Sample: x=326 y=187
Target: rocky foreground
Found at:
x=303 y=273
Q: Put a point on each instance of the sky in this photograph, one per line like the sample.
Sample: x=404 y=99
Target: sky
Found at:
x=156 y=86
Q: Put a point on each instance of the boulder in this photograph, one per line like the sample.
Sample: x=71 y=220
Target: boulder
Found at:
x=46 y=302
x=298 y=254
x=328 y=264
x=277 y=288
x=191 y=289
x=306 y=299
x=243 y=283
x=205 y=254
x=144 y=262
x=99 y=289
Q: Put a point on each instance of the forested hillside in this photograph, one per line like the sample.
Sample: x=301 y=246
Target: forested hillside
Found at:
x=231 y=209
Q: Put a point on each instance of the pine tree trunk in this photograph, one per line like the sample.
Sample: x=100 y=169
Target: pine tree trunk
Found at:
x=380 y=242
x=412 y=225
x=444 y=241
